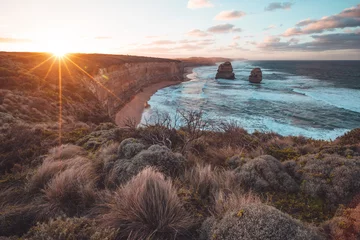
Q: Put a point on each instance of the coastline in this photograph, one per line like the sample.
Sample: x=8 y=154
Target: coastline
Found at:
x=134 y=109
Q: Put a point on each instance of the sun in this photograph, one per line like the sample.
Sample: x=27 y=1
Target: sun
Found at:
x=59 y=53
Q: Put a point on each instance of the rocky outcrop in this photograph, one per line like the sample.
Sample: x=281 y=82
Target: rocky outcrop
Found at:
x=255 y=76
x=225 y=71
x=120 y=83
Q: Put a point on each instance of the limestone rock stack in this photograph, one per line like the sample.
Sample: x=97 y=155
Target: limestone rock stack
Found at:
x=255 y=76
x=225 y=71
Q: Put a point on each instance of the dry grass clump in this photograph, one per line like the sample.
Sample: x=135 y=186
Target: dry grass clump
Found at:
x=331 y=177
x=206 y=182
x=147 y=207
x=265 y=173
x=70 y=229
x=71 y=192
x=65 y=152
x=119 y=170
x=256 y=221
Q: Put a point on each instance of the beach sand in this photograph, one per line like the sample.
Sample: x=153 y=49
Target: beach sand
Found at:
x=133 y=110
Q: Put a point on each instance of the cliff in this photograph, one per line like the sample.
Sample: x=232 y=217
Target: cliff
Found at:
x=125 y=80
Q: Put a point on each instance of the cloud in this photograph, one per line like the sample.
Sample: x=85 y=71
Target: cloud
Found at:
x=188 y=41
x=326 y=42
x=229 y=15
x=278 y=5
x=207 y=42
x=347 y=18
x=304 y=22
x=237 y=38
x=197 y=33
x=102 y=38
x=14 y=40
x=195 y=4
x=270 y=27
x=163 y=42
x=201 y=42
x=224 y=28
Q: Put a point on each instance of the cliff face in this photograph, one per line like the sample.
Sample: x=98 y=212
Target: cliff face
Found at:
x=125 y=80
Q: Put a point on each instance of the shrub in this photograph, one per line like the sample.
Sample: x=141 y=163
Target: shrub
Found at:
x=147 y=207
x=70 y=229
x=128 y=148
x=255 y=221
x=333 y=177
x=265 y=173
x=96 y=139
x=351 y=137
x=167 y=162
x=282 y=153
x=344 y=226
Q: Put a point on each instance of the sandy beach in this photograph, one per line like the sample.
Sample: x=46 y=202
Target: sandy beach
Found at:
x=134 y=109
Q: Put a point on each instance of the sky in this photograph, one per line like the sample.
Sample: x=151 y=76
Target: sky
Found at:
x=255 y=30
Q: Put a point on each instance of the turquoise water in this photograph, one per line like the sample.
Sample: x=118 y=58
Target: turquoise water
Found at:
x=315 y=99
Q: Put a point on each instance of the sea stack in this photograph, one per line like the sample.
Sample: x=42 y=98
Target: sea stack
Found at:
x=255 y=76
x=225 y=71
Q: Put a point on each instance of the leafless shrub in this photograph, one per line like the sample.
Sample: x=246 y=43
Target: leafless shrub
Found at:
x=147 y=207
x=130 y=123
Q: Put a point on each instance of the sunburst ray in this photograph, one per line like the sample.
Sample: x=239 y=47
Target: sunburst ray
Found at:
x=91 y=77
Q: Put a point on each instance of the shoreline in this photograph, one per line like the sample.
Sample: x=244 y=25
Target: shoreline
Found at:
x=134 y=109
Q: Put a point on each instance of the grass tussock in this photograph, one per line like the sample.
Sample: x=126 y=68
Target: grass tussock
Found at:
x=147 y=207
x=71 y=192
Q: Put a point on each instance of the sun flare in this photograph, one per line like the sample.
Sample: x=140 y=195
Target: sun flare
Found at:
x=59 y=53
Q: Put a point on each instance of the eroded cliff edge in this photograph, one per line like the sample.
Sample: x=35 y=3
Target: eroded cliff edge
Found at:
x=127 y=79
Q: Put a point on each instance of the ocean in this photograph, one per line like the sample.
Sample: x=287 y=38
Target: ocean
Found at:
x=315 y=99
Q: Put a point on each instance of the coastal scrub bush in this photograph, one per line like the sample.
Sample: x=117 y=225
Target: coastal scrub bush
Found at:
x=147 y=207
x=332 y=177
x=256 y=221
x=351 y=137
x=122 y=169
x=344 y=226
x=128 y=148
x=265 y=173
x=70 y=229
